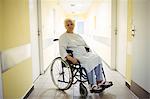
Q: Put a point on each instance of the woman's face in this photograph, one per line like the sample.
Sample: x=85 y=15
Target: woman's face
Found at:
x=69 y=26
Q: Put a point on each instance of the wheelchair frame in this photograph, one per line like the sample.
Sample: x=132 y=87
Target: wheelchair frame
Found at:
x=77 y=72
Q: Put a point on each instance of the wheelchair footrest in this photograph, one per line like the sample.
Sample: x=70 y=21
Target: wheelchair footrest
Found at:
x=97 y=91
x=107 y=86
x=103 y=88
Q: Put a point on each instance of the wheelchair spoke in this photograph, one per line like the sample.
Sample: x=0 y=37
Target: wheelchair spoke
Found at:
x=66 y=78
x=58 y=66
x=61 y=74
x=62 y=82
x=66 y=74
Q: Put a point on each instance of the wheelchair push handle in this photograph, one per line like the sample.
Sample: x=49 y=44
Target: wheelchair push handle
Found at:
x=87 y=49
x=55 y=40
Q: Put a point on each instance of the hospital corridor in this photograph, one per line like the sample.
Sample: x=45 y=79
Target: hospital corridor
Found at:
x=35 y=62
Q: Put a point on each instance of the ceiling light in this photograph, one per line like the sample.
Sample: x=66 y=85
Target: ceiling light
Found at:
x=72 y=5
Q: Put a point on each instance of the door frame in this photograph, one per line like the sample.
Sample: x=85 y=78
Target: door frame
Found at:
x=114 y=34
x=33 y=9
x=123 y=72
x=40 y=36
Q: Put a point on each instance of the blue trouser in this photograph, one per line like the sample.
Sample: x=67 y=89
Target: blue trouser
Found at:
x=96 y=71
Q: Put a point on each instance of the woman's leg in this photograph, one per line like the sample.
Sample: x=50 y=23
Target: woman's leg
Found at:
x=99 y=78
x=98 y=73
x=91 y=77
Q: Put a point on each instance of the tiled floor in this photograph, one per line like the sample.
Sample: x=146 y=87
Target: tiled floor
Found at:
x=44 y=89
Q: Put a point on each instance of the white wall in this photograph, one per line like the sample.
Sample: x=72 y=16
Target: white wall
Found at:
x=102 y=33
x=103 y=30
x=103 y=20
x=88 y=26
x=59 y=21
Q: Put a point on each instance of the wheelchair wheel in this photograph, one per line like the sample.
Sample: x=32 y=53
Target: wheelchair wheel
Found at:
x=61 y=74
x=83 y=90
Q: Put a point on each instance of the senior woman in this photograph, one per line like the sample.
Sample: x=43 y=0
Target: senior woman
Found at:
x=91 y=62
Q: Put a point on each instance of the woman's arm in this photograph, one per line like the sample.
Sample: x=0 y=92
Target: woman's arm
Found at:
x=63 y=46
x=72 y=59
x=63 y=43
x=86 y=46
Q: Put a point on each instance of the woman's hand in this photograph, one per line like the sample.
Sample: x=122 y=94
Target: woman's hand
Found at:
x=72 y=59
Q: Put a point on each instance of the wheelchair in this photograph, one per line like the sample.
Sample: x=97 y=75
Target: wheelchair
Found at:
x=64 y=74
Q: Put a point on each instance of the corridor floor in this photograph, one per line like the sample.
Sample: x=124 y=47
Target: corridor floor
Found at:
x=44 y=89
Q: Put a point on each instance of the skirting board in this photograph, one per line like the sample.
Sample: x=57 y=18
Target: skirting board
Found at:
x=138 y=91
x=28 y=92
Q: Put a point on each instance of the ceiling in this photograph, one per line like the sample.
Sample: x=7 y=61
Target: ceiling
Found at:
x=75 y=6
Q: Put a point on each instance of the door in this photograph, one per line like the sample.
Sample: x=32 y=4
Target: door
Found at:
x=121 y=36
x=140 y=68
x=34 y=39
x=47 y=33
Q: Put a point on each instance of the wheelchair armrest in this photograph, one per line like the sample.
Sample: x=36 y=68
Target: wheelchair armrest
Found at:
x=70 y=52
x=55 y=39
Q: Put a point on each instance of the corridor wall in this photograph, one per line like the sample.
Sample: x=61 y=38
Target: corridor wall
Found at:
x=98 y=26
x=15 y=48
x=52 y=26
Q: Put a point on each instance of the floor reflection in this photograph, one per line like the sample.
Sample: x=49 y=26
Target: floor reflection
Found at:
x=54 y=94
x=45 y=89
x=58 y=94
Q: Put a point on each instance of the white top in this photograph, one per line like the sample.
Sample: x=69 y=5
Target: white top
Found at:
x=76 y=43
